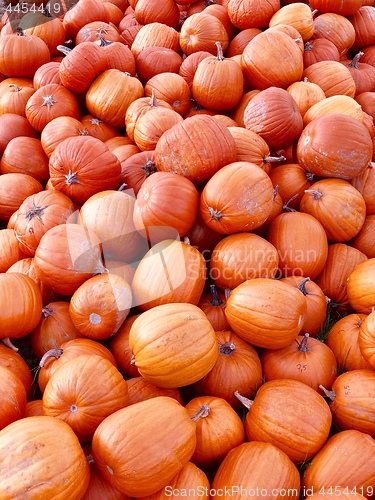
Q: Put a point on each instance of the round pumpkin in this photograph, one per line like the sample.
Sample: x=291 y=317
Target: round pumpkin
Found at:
x=175 y=355
x=361 y=287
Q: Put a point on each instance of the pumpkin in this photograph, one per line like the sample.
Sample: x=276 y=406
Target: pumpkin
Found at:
x=171 y=88
x=240 y=40
x=342 y=259
x=237 y=198
x=12 y=397
x=154 y=60
x=190 y=64
x=218 y=82
x=285 y=306
x=54 y=328
x=245 y=14
x=48 y=462
x=261 y=56
x=13 y=125
x=237 y=368
x=242 y=256
x=149 y=12
x=332 y=76
x=298 y=15
x=363 y=73
x=97 y=128
x=22 y=55
x=14 y=362
x=151 y=35
x=14 y=94
x=193 y=347
x=119 y=347
x=201 y=31
x=109 y=96
x=364 y=182
x=14 y=189
x=291 y=180
x=79 y=15
x=57 y=130
x=349 y=396
x=360 y=287
x=344 y=152
x=333 y=465
x=83 y=166
x=306 y=359
x=140 y=389
x=24 y=305
x=136 y=168
x=73 y=396
x=338 y=206
x=301 y=253
x=67 y=255
x=362 y=22
x=257 y=466
x=213 y=305
x=190 y=478
x=152 y=209
x=98 y=30
x=119 y=239
x=38 y=213
x=183 y=150
x=55 y=357
x=34 y=408
x=46 y=74
x=335 y=104
x=291 y=415
x=319 y=49
x=366 y=337
x=86 y=305
x=346 y=8
x=150 y=127
x=337 y=29
x=343 y=340
x=219 y=429
x=25 y=155
x=117 y=442
x=364 y=240
x=10 y=249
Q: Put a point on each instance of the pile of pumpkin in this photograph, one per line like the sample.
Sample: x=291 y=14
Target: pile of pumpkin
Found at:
x=188 y=246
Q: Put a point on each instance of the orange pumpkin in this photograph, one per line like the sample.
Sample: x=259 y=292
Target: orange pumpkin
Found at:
x=193 y=345
x=361 y=287
x=285 y=306
x=140 y=389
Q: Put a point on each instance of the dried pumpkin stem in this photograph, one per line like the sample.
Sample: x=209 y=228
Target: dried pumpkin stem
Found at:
x=216 y=301
x=227 y=348
x=272 y=159
x=52 y=353
x=220 y=55
x=14 y=87
x=63 y=49
x=6 y=341
x=245 y=401
x=330 y=394
x=303 y=347
x=354 y=62
x=202 y=413
x=149 y=167
x=302 y=286
x=317 y=194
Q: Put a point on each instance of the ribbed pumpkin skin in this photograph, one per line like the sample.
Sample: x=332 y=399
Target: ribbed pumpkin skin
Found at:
x=53 y=463
x=292 y=416
x=257 y=466
x=72 y=395
x=266 y=313
x=361 y=287
x=21 y=312
x=352 y=406
x=185 y=150
x=347 y=459
x=139 y=449
x=173 y=344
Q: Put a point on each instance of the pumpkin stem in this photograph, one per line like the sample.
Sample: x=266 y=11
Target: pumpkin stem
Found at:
x=83 y=132
x=354 y=62
x=47 y=312
x=302 y=286
x=216 y=215
x=227 y=348
x=245 y=401
x=6 y=341
x=285 y=206
x=317 y=194
x=220 y=55
x=186 y=240
x=275 y=192
x=34 y=211
x=149 y=167
x=48 y=101
x=227 y=292
x=330 y=394
x=132 y=360
x=202 y=413
x=309 y=176
x=272 y=159
x=103 y=41
x=216 y=301
x=19 y=31
x=71 y=178
x=14 y=87
x=303 y=347
x=308 y=46
x=63 y=49
x=51 y=353
x=95 y=121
